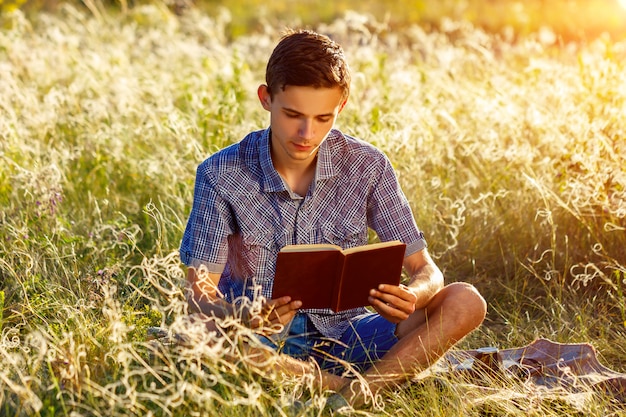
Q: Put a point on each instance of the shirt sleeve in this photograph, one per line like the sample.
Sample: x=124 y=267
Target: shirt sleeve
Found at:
x=205 y=241
x=390 y=214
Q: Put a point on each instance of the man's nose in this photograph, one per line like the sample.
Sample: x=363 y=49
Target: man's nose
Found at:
x=306 y=129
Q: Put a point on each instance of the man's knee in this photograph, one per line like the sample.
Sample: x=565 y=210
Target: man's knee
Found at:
x=466 y=304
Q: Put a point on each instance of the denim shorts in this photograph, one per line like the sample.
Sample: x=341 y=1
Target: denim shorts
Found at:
x=367 y=339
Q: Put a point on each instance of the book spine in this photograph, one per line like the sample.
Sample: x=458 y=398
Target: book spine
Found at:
x=338 y=283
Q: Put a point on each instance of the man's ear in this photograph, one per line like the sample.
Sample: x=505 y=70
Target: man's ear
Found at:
x=342 y=105
x=264 y=96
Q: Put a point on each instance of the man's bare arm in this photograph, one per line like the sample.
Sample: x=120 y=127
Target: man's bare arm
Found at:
x=426 y=278
x=204 y=298
x=397 y=303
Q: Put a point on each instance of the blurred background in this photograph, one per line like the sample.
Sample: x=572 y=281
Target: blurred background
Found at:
x=569 y=20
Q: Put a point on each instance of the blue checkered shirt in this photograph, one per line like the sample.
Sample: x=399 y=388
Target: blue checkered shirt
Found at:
x=243 y=213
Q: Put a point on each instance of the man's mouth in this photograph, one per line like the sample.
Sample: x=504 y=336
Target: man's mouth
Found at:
x=301 y=147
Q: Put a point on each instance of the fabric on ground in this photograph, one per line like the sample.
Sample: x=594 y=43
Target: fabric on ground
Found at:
x=572 y=368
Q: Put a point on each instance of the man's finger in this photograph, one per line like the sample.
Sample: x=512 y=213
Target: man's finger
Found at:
x=389 y=311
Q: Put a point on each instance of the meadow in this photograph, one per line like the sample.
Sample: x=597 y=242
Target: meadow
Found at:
x=510 y=146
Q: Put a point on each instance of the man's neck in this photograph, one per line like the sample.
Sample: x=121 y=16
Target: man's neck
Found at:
x=298 y=177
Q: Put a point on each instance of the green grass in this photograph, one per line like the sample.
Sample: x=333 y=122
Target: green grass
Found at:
x=570 y=19
x=511 y=151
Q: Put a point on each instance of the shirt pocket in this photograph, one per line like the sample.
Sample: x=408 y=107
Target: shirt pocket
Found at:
x=258 y=253
x=345 y=234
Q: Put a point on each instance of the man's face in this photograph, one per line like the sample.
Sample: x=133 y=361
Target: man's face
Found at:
x=301 y=118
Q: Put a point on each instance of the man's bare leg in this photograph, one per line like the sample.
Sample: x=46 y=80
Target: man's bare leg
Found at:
x=266 y=359
x=323 y=380
x=423 y=338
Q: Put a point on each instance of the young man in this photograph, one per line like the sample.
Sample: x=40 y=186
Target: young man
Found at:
x=299 y=182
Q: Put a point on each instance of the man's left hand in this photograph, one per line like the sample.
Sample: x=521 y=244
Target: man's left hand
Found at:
x=394 y=303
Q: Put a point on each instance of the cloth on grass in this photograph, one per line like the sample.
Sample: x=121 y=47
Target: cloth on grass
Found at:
x=572 y=368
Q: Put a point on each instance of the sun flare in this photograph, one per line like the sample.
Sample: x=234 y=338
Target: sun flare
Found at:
x=622 y=3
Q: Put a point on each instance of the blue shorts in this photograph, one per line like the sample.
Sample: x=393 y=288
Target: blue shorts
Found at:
x=367 y=339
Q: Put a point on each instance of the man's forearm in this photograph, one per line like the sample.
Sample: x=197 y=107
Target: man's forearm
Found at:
x=215 y=308
x=221 y=309
x=203 y=296
x=425 y=283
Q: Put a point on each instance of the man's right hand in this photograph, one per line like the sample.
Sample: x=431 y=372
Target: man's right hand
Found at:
x=276 y=312
x=205 y=299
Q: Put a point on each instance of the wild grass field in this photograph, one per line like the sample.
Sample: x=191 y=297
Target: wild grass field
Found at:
x=510 y=148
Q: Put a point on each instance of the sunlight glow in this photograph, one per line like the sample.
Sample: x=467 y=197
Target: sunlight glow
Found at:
x=622 y=3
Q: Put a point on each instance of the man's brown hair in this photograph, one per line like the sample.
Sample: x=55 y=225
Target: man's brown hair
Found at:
x=307 y=58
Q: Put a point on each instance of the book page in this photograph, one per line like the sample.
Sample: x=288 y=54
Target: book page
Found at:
x=373 y=246
x=310 y=247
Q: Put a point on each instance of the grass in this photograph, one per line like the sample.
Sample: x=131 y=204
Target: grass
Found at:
x=510 y=150
x=572 y=20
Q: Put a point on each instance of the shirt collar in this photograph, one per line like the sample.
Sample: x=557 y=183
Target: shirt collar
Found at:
x=272 y=180
x=326 y=167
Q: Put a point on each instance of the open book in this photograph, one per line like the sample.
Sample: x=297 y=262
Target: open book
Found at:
x=325 y=276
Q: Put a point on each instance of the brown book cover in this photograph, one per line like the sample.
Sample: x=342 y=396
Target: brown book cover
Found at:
x=324 y=276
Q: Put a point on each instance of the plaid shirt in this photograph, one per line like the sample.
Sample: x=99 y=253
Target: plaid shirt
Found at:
x=243 y=214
